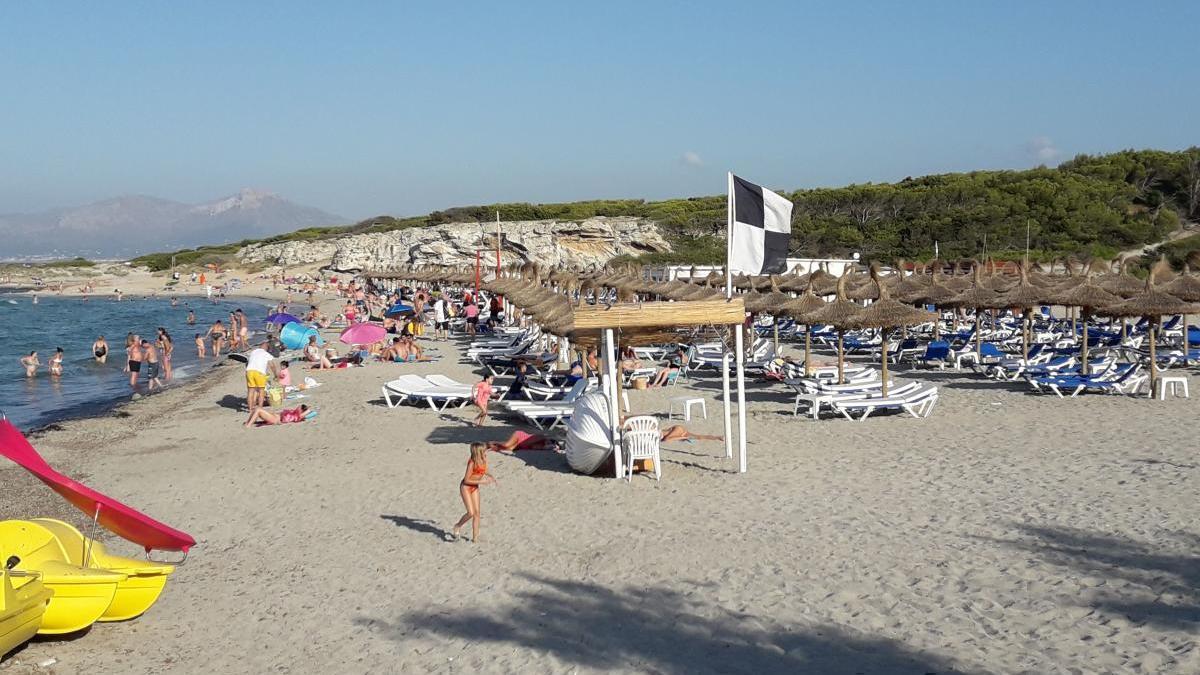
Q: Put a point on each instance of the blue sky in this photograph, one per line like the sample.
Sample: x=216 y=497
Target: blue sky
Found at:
x=397 y=107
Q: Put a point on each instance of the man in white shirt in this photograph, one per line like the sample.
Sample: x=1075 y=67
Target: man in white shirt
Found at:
x=259 y=363
x=441 y=320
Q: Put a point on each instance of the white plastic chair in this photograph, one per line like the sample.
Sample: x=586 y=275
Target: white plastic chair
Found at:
x=639 y=440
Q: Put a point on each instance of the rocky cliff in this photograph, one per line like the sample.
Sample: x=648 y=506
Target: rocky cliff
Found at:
x=577 y=245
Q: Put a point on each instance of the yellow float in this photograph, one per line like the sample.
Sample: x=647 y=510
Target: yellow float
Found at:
x=23 y=602
x=81 y=595
x=143 y=583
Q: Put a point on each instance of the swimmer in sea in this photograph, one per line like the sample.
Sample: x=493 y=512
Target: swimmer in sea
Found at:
x=191 y=318
x=199 y=345
x=100 y=350
x=30 y=363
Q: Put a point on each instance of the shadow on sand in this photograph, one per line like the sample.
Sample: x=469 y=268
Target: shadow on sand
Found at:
x=421 y=526
x=1142 y=580
x=647 y=629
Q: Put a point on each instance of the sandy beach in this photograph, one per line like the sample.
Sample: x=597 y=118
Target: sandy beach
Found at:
x=1006 y=533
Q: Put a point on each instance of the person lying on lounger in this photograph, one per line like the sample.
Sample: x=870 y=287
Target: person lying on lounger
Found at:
x=679 y=433
x=521 y=440
x=286 y=416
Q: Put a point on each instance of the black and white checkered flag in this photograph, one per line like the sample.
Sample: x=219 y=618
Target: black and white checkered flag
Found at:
x=759 y=230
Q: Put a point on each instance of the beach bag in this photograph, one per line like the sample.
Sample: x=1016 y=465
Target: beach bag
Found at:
x=274 y=396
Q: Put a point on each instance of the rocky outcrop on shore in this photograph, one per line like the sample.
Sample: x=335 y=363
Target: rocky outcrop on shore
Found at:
x=571 y=244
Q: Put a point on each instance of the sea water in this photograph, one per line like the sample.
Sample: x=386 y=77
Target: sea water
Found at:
x=87 y=387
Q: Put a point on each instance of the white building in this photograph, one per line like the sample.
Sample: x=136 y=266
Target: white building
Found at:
x=835 y=266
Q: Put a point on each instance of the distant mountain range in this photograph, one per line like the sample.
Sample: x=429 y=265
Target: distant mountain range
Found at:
x=130 y=225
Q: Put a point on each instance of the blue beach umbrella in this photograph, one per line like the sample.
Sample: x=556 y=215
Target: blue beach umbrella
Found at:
x=281 y=319
x=398 y=308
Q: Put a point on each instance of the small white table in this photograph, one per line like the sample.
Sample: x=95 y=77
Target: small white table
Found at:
x=1177 y=383
x=687 y=402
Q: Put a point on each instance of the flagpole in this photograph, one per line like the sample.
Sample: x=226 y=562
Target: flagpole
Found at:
x=729 y=238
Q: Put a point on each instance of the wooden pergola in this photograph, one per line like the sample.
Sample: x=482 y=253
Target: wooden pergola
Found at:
x=652 y=322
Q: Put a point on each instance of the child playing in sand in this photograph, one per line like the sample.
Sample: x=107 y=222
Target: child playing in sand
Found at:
x=284 y=375
x=481 y=393
x=476 y=475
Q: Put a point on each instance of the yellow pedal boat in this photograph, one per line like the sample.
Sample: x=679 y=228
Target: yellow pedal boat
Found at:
x=23 y=602
x=144 y=580
x=81 y=595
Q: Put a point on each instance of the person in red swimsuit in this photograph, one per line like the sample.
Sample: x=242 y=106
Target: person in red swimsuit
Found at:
x=522 y=440
x=476 y=475
x=286 y=416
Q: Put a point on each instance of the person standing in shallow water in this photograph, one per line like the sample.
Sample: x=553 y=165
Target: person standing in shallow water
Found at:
x=100 y=350
x=133 y=365
x=30 y=363
x=56 y=363
x=151 y=359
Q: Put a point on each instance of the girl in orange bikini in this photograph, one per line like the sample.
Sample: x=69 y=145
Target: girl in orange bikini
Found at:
x=476 y=475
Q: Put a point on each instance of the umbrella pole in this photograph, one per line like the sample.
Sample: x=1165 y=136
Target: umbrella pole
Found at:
x=1153 y=362
x=1185 y=342
x=807 y=350
x=1084 y=368
x=883 y=344
x=775 y=321
x=978 y=339
x=1025 y=336
x=841 y=358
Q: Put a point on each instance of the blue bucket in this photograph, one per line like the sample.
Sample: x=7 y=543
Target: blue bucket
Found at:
x=295 y=335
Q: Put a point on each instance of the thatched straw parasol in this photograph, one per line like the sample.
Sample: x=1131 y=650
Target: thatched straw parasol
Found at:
x=1088 y=297
x=794 y=282
x=823 y=282
x=1122 y=283
x=979 y=298
x=840 y=314
x=1186 y=287
x=1153 y=303
x=1026 y=296
x=800 y=309
x=887 y=313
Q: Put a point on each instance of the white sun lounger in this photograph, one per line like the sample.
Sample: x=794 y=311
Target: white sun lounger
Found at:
x=917 y=403
x=416 y=388
x=547 y=416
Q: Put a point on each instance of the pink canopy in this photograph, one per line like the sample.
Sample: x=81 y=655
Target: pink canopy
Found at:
x=115 y=517
x=363 y=334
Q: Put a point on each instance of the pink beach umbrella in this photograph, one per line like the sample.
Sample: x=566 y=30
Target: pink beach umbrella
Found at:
x=363 y=334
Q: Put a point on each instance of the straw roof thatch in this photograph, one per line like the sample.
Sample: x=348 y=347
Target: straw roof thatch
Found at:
x=800 y=308
x=1121 y=283
x=1025 y=294
x=840 y=313
x=977 y=296
x=1186 y=286
x=1086 y=294
x=888 y=313
x=1152 y=301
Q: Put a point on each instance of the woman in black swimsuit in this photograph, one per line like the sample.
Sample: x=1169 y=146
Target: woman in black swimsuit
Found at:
x=100 y=350
x=217 y=333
